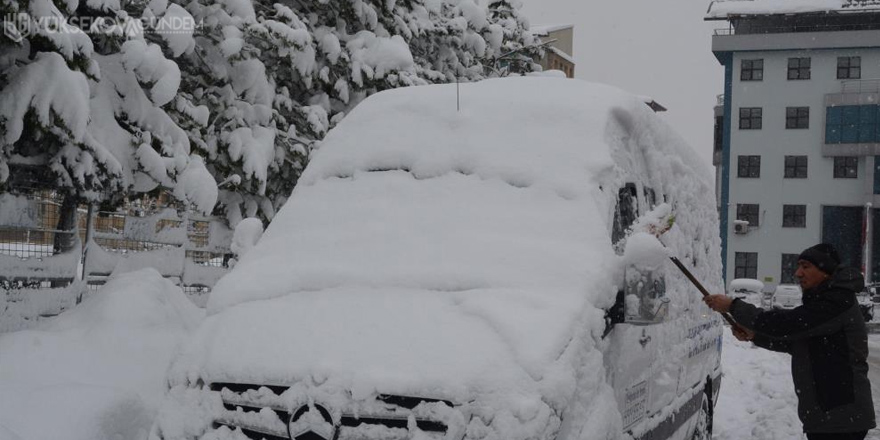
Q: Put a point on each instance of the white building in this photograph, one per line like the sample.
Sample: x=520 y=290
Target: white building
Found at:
x=559 y=47
x=798 y=133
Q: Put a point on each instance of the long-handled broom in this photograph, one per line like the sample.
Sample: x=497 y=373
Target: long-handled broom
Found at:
x=657 y=231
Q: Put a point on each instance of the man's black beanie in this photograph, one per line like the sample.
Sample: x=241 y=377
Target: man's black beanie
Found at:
x=822 y=256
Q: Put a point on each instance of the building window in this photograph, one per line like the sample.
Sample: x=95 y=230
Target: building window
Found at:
x=750 y=118
x=795 y=167
x=849 y=67
x=746 y=265
x=794 y=216
x=748 y=212
x=749 y=166
x=846 y=167
x=797 y=117
x=852 y=124
x=798 y=68
x=789 y=266
x=752 y=70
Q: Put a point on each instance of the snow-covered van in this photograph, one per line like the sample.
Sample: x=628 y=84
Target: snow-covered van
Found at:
x=470 y=263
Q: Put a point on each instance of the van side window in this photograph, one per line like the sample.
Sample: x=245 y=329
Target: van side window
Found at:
x=626 y=212
x=651 y=197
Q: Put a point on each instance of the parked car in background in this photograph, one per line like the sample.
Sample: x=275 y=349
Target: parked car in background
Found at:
x=786 y=296
x=748 y=290
x=866 y=303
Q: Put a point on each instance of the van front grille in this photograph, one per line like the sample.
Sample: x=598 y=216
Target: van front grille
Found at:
x=261 y=412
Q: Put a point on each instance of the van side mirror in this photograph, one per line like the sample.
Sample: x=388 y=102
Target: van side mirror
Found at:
x=645 y=300
x=615 y=315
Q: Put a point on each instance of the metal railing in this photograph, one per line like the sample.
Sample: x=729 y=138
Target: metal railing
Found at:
x=29 y=236
x=860 y=86
x=750 y=30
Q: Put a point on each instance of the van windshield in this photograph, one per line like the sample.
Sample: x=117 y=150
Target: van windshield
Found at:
x=453 y=232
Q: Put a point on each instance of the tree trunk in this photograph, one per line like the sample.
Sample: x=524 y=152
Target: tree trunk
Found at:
x=65 y=242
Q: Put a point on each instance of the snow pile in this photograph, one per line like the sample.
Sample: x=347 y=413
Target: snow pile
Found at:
x=757 y=399
x=96 y=371
x=721 y=9
x=25 y=308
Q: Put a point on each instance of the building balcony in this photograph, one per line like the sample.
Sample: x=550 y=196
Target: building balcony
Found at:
x=794 y=28
x=728 y=40
x=852 y=119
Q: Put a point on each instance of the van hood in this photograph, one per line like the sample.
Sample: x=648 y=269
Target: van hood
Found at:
x=496 y=363
x=450 y=345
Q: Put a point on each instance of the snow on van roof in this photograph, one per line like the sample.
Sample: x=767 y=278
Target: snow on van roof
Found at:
x=519 y=130
x=431 y=251
x=722 y=9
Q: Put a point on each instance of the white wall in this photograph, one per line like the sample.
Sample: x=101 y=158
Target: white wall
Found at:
x=773 y=142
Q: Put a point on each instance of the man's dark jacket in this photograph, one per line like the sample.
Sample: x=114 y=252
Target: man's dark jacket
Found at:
x=828 y=343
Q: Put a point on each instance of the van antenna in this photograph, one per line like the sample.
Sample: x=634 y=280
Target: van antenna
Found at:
x=457 y=96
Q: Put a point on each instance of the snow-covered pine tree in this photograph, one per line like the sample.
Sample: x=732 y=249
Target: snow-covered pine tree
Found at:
x=515 y=49
x=275 y=78
x=44 y=103
x=88 y=121
x=446 y=40
x=225 y=75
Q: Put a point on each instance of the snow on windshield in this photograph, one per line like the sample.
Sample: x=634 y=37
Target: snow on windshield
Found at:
x=508 y=192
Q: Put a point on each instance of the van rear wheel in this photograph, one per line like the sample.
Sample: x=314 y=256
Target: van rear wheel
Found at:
x=703 y=427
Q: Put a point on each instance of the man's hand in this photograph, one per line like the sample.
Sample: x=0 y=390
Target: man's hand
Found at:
x=718 y=303
x=742 y=333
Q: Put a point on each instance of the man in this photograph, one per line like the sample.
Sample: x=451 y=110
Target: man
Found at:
x=828 y=343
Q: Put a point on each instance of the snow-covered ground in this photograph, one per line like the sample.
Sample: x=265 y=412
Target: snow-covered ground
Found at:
x=757 y=398
x=97 y=371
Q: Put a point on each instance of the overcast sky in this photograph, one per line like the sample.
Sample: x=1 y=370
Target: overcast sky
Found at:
x=656 y=48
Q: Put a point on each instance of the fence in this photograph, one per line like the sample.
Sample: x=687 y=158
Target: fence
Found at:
x=40 y=277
